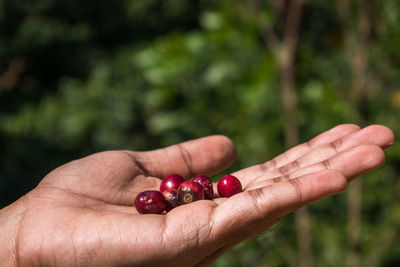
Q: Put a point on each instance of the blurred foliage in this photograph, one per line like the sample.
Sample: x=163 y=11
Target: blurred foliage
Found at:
x=77 y=77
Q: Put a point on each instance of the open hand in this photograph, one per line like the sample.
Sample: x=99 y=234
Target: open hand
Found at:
x=82 y=213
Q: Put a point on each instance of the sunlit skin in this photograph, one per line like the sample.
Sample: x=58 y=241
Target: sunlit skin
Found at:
x=82 y=213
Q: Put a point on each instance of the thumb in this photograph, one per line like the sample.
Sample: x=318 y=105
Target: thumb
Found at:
x=207 y=155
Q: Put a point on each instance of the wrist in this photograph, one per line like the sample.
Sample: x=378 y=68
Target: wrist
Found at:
x=10 y=218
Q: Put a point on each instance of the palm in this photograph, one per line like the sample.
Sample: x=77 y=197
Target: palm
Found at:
x=82 y=213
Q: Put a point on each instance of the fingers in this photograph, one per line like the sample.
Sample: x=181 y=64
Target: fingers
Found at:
x=208 y=155
x=251 y=212
x=375 y=134
x=315 y=175
x=246 y=175
x=350 y=163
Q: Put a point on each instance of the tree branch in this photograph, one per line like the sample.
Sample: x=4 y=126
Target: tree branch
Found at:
x=284 y=52
x=292 y=26
x=357 y=45
x=270 y=38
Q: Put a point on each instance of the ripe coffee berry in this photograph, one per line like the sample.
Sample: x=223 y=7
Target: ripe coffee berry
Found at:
x=228 y=186
x=172 y=181
x=189 y=192
x=207 y=185
x=171 y=195
x=150 y=202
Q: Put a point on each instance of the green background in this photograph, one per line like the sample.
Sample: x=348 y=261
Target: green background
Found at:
x=78 y=77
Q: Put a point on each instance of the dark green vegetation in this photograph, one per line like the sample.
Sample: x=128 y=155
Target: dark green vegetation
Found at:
x=77 y=77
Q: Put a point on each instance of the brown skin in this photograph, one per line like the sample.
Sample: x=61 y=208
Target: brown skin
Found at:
x=81 y=214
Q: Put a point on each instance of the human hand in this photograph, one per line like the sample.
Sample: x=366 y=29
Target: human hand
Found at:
x=82 y=213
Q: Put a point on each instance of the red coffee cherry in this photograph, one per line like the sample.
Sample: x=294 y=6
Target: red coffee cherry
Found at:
x=150 y=202
x=189 y=192
x=207 y=185
x=228 y=186
x=171 y=195
x=172 y=181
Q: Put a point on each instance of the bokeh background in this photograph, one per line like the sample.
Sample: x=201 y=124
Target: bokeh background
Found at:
x=78 y=77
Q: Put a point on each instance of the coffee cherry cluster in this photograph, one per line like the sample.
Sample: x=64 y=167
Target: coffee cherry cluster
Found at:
x=175 y=191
